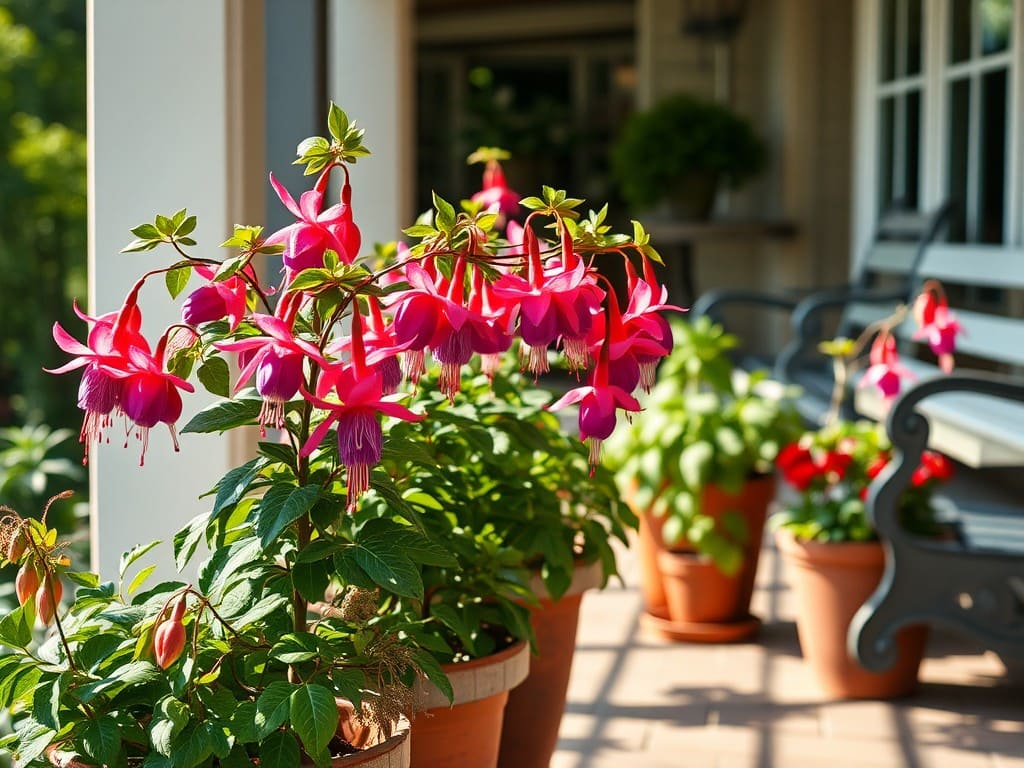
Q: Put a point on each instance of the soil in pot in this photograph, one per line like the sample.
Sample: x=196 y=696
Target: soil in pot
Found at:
x=468 y=733
x=831 y=582
x=534 y=710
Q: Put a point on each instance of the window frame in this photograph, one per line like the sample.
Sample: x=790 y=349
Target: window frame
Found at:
x=936 y=73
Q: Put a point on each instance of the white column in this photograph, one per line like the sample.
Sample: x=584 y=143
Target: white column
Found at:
x=370 y=77
x=172 y=93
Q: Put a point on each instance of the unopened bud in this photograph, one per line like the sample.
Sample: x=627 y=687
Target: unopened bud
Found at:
x=169 y=638
x=47 y=600
x=26 y=582
x=17 y=546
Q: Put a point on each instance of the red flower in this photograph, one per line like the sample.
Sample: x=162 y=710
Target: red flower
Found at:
x=934 y=466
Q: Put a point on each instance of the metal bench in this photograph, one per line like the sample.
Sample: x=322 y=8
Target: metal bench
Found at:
x=886 y=276
x=972 y=580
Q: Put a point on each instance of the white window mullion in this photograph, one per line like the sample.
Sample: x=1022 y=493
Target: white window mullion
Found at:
x=973 y=192
x=934 y=176
x=1015 y=113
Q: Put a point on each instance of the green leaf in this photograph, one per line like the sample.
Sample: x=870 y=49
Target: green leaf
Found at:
x=132 y=556
x=281 y=452
x=695 y=464
x=170 y=717
x=432 y=669
x=310 y=579
x=176 y=280
x=187 y=539
x=131 y=674
x=15 y=628
x=294 y=648
x=137 y=246
x=337 y=122
x=140 y=578
x=314 y=716
x=186 y=227
x=280 y=506
x=310 y=280
x=164 y=225
x=279 y=750
x=445 y=213
x=420 y=230
x=272 y=707
x=146 y=232
x=389 y=567
x=225 y=415
x=101 y=739
x=243 y=722
x=234 y=485
x=533 y=203
x=214 y=375
x=33 y=738
x=156 y=760
x=193 y=747
x=83 y=578
x=46 y=702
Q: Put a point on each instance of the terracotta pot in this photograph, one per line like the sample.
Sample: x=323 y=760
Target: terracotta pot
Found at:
x=831 y=582
x=468 y=733
x=533 y=714
x=697 y=592
x=393 y=752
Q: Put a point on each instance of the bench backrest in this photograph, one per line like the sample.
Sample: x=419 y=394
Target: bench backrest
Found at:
x=893 y=259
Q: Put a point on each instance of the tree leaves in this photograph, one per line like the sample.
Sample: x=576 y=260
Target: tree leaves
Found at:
x=314 y=716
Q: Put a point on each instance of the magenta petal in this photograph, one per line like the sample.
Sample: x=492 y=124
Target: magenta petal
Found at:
x=285 y=197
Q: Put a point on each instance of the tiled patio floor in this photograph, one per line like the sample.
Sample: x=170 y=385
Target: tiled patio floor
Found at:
x=636 y=701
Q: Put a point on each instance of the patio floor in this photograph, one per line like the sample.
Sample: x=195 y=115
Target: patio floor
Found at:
x=636 y=701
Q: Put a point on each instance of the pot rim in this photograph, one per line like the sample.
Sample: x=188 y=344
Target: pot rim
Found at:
x=477 y=679
x=844 y=553
x=399 y=739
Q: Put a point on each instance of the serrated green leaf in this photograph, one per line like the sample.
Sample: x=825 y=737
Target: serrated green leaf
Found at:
x=279 y=750
x=33 y=739
x=280 y=506
x=294 y=648
x=314 y=716
x=430 y=667
x=389 y=567
x=101 y=739
x=225 y=415
x=272 y=707
x=192 y=747
x=243 y=722
x=15 y=629
x=234 y=485
x=170 y=717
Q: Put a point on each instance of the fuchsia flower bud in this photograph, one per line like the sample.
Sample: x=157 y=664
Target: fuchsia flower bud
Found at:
x=885 y=372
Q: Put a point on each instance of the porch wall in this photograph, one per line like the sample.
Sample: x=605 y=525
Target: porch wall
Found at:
x=791 y=74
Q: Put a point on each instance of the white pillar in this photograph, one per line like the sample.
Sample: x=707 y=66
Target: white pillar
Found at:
x=370 y=77
x=173 y=88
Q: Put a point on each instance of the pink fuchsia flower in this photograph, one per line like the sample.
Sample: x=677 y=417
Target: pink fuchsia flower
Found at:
x=150 y=395
x=598 y=406
x=360 y=400
x=276 y=359
x=495 y=194
x=885 y=372
x=216 y=300
x=938 y=325
x=552 y=304
x=426 y=317
x=381 y=346
x=306 y=241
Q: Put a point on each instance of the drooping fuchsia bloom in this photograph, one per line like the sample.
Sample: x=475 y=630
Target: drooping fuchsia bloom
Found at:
x=599 y=402
x=382 y=347
x=426 y=317
x=938 y=325
x=216 y=300
x=121 y=375
x=553 y=303
x=276 y=359
x=885 y=371
x=495 y=194
x=644 y=332
x=360 y=398
x=307 y=239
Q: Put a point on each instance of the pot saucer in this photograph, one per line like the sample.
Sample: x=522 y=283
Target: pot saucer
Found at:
x=700 y=632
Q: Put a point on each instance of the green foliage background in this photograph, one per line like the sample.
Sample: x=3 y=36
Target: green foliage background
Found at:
x=43 y=210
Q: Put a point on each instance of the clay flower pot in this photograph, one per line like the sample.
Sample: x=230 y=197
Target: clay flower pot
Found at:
x=468 y=733
x=687 y=597
x=533 y=714
x=831 y=582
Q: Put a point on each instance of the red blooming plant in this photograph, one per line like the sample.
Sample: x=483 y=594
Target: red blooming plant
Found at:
x=234 y=668
x=831 y=468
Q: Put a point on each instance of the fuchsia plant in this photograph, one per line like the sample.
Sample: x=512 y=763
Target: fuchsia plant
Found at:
x=326 y=353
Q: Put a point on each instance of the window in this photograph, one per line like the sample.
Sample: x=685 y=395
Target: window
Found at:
x=944 y=113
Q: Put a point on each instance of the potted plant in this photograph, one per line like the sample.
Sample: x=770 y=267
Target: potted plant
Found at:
x=824 y=534
x=235 y=667
x=498 y=463
x=696 y=465
x=681 y=150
